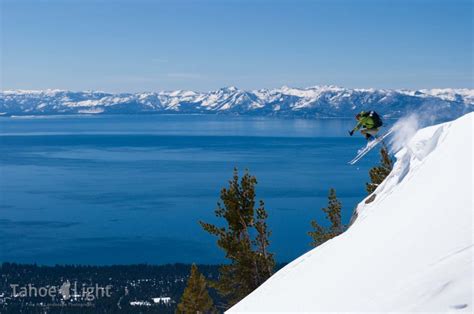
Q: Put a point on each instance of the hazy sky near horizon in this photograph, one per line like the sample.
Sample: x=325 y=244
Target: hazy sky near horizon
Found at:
x=128 y=46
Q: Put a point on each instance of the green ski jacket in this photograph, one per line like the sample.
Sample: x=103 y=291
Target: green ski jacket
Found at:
x=366 y=122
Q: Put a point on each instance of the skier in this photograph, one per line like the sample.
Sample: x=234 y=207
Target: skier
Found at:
x=371 y=123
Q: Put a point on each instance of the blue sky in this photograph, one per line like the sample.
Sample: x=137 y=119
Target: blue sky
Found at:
x=142 y=45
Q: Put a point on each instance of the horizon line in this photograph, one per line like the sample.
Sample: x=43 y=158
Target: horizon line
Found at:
x=230 y=87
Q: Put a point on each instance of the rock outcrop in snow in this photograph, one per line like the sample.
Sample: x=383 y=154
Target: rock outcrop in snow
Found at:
x=411 y=249
x=318 y=101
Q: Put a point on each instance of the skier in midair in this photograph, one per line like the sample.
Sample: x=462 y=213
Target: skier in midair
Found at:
x=370 y=122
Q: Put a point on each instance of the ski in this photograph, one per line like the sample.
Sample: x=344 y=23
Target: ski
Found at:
x=369 y=147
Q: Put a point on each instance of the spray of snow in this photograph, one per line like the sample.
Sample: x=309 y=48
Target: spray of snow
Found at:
x=404 y=130
x=406 y=127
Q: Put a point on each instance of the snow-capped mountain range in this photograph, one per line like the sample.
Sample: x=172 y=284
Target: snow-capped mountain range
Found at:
x=317 y=101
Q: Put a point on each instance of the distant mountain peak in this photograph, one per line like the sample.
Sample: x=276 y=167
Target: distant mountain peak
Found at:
x=309 y=102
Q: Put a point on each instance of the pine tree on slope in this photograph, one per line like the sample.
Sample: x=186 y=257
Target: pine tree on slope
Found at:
x=195 y=299
x=322 y=234
x=245 y=239
x=379 y=173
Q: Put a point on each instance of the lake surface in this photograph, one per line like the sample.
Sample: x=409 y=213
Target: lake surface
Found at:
x=131 y=189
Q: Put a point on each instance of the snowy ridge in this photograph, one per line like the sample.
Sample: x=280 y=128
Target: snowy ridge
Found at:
x=410 y=249
x=316 y=101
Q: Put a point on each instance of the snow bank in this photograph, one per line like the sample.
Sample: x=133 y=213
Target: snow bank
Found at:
x=409 y=250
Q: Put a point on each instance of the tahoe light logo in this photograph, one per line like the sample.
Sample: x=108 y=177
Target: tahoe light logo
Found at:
x=66 y=291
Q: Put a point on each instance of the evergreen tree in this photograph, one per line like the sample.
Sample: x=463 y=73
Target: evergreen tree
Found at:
x=245 y=239
x=195 y=299
x=379 y=173
x=322 y=234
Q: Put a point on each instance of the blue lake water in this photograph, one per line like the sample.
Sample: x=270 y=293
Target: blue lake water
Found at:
x=131 y=189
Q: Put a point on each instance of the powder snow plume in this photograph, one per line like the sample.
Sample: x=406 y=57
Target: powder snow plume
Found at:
x=406 y=127
x=404 y=130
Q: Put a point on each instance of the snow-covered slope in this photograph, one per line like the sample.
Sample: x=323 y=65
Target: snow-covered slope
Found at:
x=411 y=249
x=317 y=101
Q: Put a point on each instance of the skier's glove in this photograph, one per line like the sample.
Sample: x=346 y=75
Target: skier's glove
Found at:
x=351 y=132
